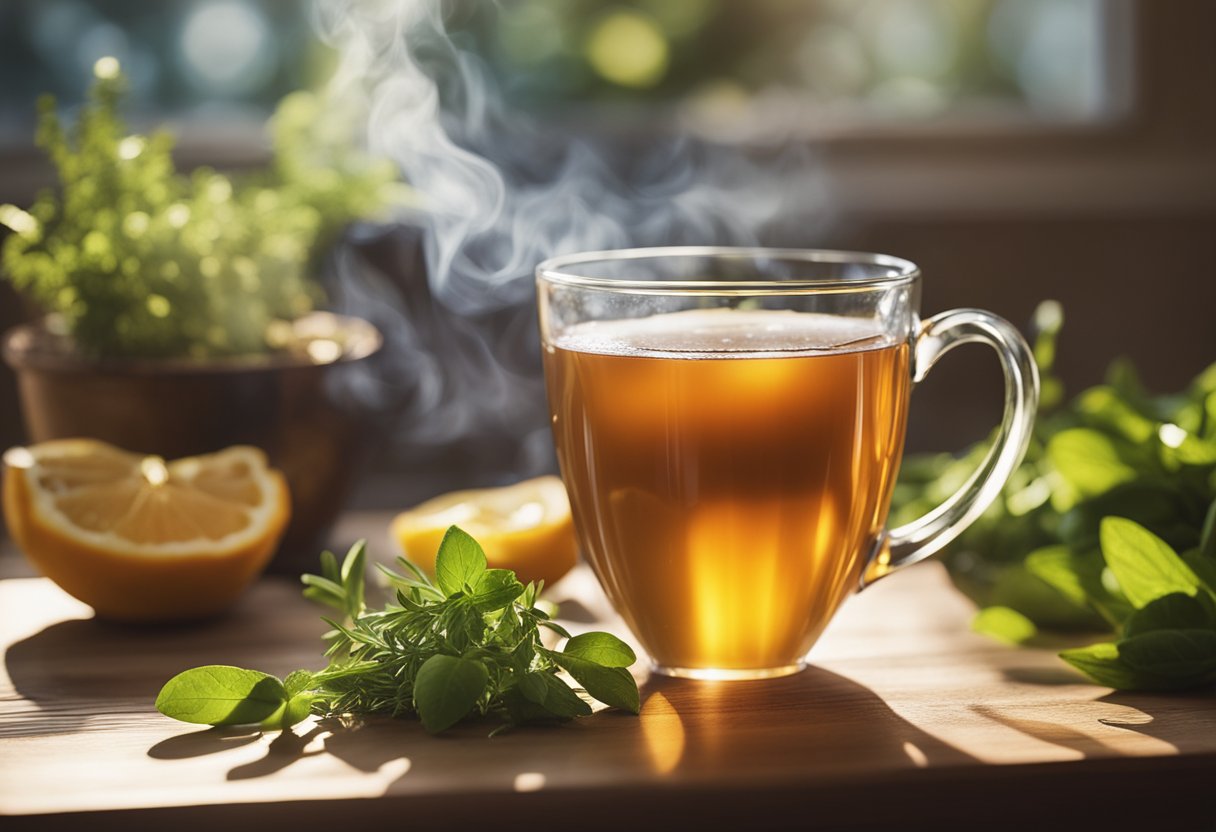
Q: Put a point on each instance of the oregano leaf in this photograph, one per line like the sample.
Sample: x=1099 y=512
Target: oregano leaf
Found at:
x=495 y=589
x=600 y=648
x=446 y=690
x=613 y=686
x=459 y=562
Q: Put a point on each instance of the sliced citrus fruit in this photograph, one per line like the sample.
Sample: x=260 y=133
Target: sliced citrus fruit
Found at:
x=524 y=527
x=138 y=538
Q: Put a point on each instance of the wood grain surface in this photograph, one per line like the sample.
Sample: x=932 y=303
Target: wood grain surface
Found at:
x=904 y=718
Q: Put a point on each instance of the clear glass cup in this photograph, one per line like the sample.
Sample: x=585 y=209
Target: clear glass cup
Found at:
x=729 y=424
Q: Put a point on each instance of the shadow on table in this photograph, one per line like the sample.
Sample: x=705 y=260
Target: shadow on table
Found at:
x=1054 y=733
x=1186 y=721
x=78 y=669
x=813 y=724
x=1180 y=719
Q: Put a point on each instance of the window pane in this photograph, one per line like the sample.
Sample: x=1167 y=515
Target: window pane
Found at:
x=881 y=59
x=717 y=63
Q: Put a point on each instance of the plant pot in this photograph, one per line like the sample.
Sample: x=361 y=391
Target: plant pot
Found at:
x=287 y=403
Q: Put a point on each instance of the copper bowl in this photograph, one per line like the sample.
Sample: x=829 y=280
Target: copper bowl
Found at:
x=287 y=403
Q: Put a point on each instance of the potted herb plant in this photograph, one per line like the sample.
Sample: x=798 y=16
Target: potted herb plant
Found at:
x=181 y=308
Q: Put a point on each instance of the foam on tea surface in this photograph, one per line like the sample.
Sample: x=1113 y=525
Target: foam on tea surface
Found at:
x=724 y=333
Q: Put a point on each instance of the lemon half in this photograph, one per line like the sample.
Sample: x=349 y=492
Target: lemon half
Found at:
x=139 y=538
x=524 y=527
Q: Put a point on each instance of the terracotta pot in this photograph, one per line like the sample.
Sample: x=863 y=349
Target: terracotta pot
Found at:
x=285 y=403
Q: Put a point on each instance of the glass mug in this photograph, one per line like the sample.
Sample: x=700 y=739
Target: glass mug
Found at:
x=729 y=424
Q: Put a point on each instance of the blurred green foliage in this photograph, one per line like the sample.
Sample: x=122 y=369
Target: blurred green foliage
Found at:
x=1038 y=558
x=711 y=53
x=138 y=260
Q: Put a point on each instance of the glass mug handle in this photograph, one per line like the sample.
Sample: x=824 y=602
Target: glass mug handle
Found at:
x=922 y=537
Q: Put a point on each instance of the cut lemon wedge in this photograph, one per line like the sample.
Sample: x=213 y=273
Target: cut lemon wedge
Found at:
x=140 y=538
x=524 y=527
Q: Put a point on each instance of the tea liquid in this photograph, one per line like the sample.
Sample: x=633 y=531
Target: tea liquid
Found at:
x=729 y=472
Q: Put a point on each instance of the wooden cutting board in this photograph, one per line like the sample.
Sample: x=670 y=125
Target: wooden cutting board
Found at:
x=905 y=717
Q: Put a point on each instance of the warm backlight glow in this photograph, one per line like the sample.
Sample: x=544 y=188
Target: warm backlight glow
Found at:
x=663 y=731
x=529 y=781
x=18 y=458
x=154 y=470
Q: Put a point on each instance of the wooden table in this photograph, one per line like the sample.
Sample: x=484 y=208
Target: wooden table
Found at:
x=905 y=718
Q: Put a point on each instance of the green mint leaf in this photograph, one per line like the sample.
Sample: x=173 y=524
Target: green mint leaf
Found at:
x=603 y=649
x=525 y=649
x=611 y=685
x=1076 y=578
x=558 y=699
x=1089 y=460
x=521 y=710
x=274 y=722
x=1057 y=567
x=221 y=695
x=298 y=681
x=533 y=687
x=528 y=601
x=1104 y=406
x=1192 y=450
x=352 y=577
x=1188 y=656
x=297 y=709
x=1176 y=611
x=446 y=690
x=1004 y=624
x=293 y=711
x=495 y=589
x=554 y=627
x=1017 y=588
x=1144 y=565
x=460 y=561
x=1203 y=567
x=1103 y=664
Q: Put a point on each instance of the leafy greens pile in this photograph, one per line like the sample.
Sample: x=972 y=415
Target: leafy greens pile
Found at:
x=467 y=644
x=1108 y=525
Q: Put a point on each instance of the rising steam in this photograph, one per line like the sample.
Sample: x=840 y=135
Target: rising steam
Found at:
x=498 y=193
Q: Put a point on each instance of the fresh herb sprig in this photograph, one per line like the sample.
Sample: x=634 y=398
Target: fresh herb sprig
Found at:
x=1168 y=641
x=1118 y=488
x=467 y=644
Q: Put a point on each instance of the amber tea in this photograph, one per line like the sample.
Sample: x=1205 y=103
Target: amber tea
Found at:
x=730 y=465
x=729 y=471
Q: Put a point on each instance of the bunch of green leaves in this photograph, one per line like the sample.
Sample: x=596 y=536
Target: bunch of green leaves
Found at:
x=138 y=260
x=1035 y=560
x=1168 y=639
x=467 y=644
